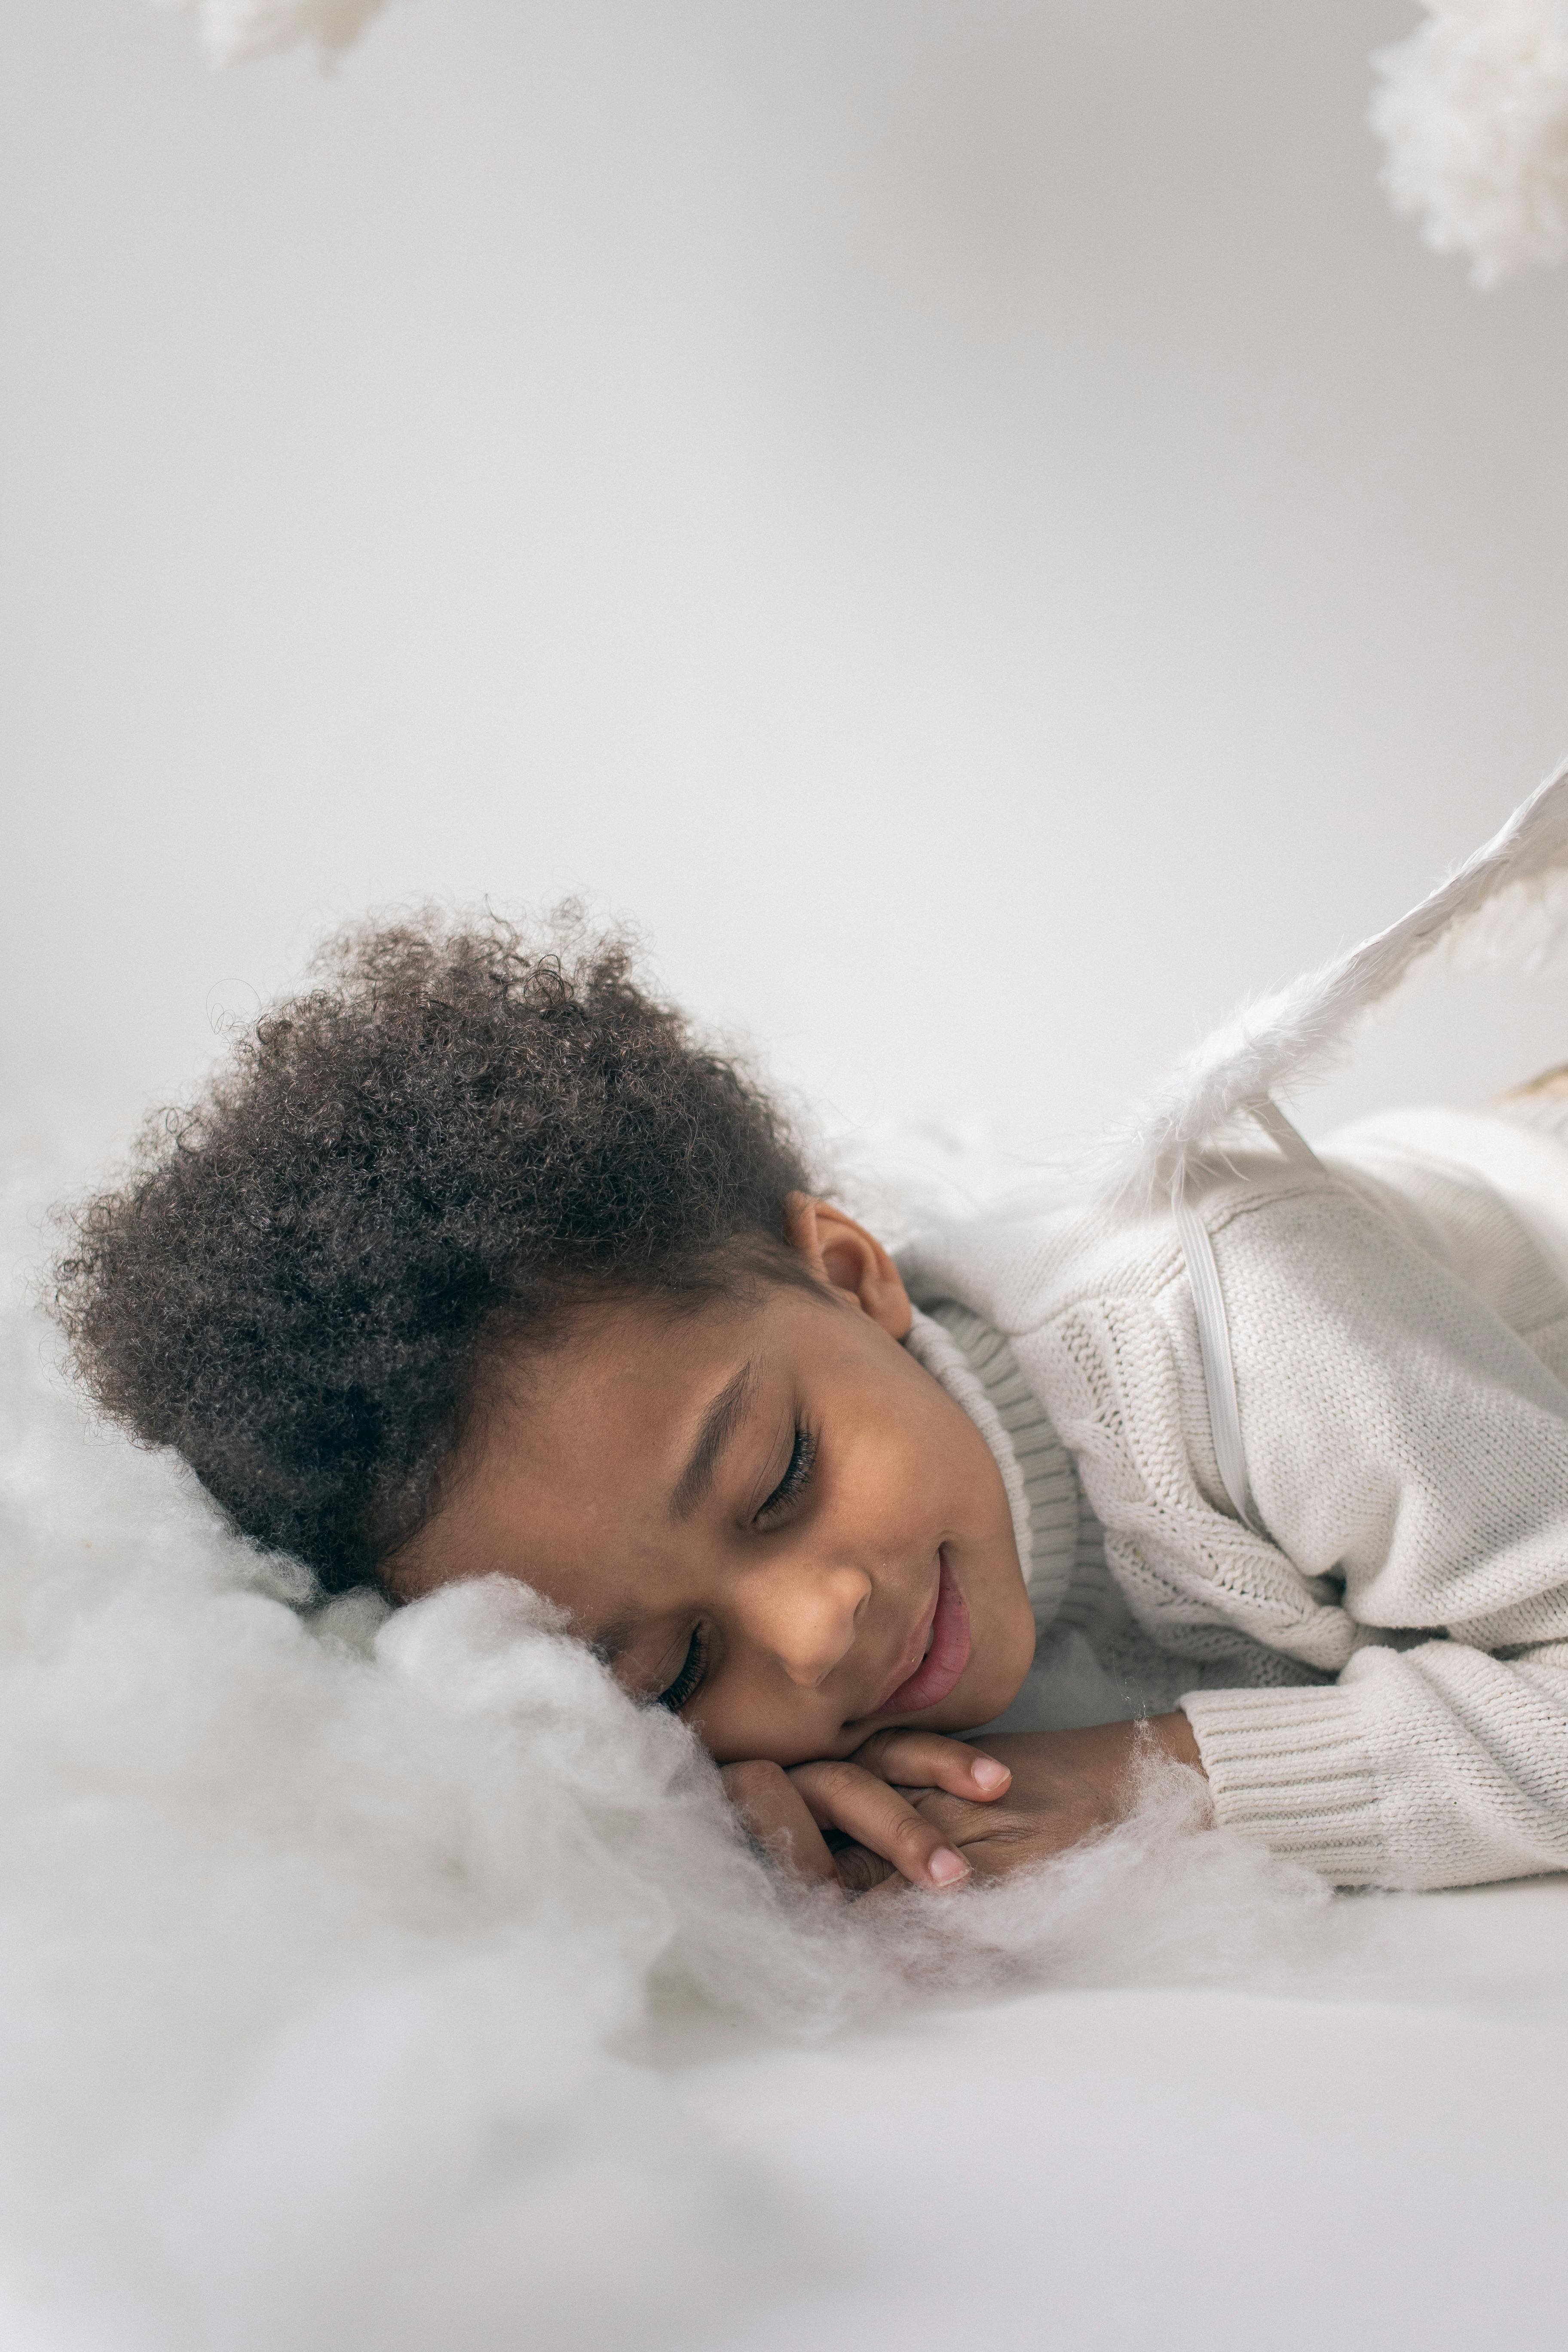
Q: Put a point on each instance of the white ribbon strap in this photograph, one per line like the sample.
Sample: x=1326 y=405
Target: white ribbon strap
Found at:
x=1213 y=1325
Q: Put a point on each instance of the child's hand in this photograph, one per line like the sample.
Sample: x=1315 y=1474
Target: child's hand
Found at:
x=1066 y=1786
x=913 y=1806
x=853 y=1820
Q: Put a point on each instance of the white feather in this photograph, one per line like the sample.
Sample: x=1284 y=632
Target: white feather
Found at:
x=1277 y=1041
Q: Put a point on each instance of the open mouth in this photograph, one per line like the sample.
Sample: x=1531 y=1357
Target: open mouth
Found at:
x=947 y=1646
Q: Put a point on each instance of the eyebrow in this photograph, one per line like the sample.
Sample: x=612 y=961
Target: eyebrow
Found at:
x=719 y=1424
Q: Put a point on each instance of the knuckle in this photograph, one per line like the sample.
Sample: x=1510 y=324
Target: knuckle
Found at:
x=745 y=1783
x=912 y=1835
x=861 y=1870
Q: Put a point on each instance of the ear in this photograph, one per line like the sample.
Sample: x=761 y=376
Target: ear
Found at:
x=850 y=1260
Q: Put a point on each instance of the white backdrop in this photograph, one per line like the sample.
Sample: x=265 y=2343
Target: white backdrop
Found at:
x=972 y=523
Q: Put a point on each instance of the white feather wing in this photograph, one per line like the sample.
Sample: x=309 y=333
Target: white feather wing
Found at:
x=1277 y=1041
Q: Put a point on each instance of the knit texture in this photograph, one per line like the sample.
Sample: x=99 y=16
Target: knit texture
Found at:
x=1026 y=1445
x=1072 y=1592
x=1379 y=1682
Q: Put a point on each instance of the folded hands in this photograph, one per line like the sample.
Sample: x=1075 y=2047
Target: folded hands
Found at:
x=915 y=1808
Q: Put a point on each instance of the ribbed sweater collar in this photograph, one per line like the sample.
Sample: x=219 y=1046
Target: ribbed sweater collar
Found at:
x=978 y=1369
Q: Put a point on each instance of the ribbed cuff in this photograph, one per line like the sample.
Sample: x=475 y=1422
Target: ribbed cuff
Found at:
x=1291 y=1768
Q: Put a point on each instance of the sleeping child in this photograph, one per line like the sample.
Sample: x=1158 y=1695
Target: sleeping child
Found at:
x=475 y=1261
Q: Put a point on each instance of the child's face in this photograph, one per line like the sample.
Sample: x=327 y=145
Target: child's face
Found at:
x=769 y=1512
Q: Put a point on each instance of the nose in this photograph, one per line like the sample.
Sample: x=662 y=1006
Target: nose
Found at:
x=804 y=1614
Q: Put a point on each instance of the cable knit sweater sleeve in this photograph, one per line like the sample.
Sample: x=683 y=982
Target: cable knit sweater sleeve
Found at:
x=1409 y=1457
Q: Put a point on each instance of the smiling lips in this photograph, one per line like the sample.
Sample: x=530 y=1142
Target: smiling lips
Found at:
x=947 y=1646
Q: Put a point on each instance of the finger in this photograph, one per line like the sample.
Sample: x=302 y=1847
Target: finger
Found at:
x=930 y=1760
x=778 y=1818
x=844 y=1796
x=859 y=1869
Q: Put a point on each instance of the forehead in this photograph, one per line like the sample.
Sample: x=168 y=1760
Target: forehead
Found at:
x=633 y=1361
x=578 y=1451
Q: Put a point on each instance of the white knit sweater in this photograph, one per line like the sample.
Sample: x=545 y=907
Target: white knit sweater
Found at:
x=1379 y=1682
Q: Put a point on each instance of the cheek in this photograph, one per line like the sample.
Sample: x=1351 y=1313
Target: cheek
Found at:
x=952 y=1466
x=1002 y=1621
x=927 y=1458
x=764 y=1722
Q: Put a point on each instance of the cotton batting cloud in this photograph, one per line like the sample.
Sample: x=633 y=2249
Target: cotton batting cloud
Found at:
x=343 y=1947
x=233 y=31
x=1473 y=110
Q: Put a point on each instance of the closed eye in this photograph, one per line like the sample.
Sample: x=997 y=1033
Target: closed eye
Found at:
x=688 y=1681
x=795 y=1479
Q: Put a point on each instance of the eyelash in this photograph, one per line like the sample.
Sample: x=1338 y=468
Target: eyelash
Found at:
x=688 y=1681
x=796 y=1478
x=694 y=1665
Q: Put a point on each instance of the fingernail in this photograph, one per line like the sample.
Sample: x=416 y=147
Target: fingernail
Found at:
x=988 y=1774
x=946 y=1867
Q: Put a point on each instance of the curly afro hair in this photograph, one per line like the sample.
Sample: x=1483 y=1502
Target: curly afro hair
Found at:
x=452 y=1139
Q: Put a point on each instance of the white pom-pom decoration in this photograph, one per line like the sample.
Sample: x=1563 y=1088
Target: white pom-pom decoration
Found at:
x=235 y=30
x=1474 y=111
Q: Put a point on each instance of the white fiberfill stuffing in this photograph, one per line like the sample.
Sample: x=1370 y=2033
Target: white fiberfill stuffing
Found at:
x=1473 y=108
x=235 y=30
x=337 y=1947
